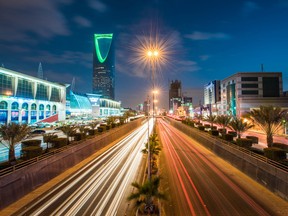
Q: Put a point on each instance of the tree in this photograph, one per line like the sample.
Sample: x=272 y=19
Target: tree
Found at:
x=93 y=124
x=147 y=193
x=223 y=121
x=69 y=131
x=269 y=120
x=12 y=134
x=211 y=119
x=47 y=138
x=154 y=145
x=198 y=117
x=239 y=126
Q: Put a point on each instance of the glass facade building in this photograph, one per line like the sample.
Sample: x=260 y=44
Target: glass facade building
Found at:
x=27 y=99
x=103 y=66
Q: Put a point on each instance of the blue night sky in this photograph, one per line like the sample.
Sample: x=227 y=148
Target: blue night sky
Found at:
x=203 y=41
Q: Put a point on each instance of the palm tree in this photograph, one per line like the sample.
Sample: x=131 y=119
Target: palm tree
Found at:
x=147 y=193
x=68 y=130
x=239 y=126
x=93 y=124
x=223 y=121
x=13 y=133
x=47 y=138
x=154 y=145
x=269 y=120
x=211 y=119
x=198 y=117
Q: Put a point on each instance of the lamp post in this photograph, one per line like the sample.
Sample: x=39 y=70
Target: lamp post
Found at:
x=152 y=56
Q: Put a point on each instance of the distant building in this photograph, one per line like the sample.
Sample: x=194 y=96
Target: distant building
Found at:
x=212 y=96
x=104 y=66
x=245 y=91
x=91 y=105
x=26 y=99
x=175 y=95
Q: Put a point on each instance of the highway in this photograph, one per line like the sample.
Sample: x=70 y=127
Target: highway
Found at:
x=200 y=183
x=100 y=187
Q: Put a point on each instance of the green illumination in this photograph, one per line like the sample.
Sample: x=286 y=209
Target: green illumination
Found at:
x=98 y=37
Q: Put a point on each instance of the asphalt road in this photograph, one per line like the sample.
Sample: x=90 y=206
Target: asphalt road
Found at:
x=197 y=182
x=100 y=187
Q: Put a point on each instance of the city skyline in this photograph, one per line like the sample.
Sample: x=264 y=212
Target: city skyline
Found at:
x=205 y=41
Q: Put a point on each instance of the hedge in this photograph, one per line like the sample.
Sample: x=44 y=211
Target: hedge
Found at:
x=31 y=152
x=253 y=138
x=28 y=143
x=274 y=153
x=244 y=142
x=59 y=142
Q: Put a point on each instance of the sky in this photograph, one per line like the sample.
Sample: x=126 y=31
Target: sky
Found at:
x=199 y=41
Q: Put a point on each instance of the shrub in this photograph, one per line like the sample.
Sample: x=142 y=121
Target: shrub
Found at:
x=233 y=133
x=253 y=138
x=92 y=132
x=222 y=131
x=214 y=132
x=59 y=142
x=280 y=145
x=31 y=152
x=244 y=142
x=227 y=137
x=207 y=125
x=101 y=129
x=79 y=136
x=200 y=127
x=28 y=143
x=276 y=154
x=107 y=127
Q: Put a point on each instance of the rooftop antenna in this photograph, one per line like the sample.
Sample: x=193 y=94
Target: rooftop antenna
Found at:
x=40 y=71
x=262 y=68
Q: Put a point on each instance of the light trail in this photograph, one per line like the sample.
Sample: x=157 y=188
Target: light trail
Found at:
x=213 y=186
x=99 y=187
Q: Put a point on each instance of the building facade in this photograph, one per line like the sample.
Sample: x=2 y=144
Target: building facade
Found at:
x=175 y=95
x=244 y=91
x=212 y=96
x=104 y=66
x=25 y=99
x=91 y=106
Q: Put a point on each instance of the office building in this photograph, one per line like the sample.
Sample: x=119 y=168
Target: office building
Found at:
x=103 y=66
x=175 y=95
x=212 y=96
x=244 y=91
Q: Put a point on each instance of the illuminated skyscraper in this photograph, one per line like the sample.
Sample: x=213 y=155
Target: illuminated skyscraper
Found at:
x=103 y=66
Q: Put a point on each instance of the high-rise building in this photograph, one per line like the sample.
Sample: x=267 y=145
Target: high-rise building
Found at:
x=175 y=95
x=212 y=97
x=103 y=66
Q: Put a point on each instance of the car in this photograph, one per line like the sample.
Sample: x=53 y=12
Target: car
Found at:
x=38 y=132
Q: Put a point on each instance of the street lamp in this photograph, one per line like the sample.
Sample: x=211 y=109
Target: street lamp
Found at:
x=152 y=56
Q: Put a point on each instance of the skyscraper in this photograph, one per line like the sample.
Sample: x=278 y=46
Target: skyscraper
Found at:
x=103 y=66
x=175 y=95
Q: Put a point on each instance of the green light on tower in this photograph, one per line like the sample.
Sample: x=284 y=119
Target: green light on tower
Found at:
x=97 y=38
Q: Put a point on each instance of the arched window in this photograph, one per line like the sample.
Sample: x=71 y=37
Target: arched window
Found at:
x=15 y=106
x=33 y=106
x=3 y=105
x=54 y=108
x=48 y=107
x=41 y=107
x=25 y=106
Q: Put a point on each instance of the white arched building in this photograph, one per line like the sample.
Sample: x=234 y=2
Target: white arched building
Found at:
x=27 y=99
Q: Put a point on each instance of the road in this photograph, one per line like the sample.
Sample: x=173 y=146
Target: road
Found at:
x=98 y=188
x=199 y=183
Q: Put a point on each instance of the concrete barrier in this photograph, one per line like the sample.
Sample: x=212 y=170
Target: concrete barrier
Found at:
x=15 y=185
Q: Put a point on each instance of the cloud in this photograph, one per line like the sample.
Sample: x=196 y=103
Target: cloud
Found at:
x=98 y=6
x=24 y=18
x=204 y=57
x=82 y=21
x=249 y=7
x=196 y=35
x=67 y=57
